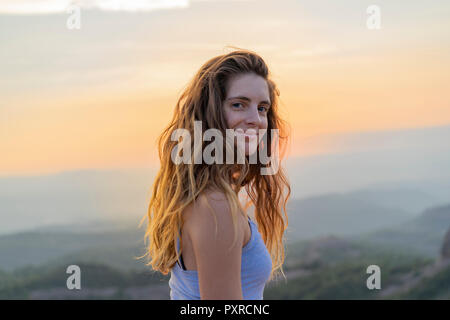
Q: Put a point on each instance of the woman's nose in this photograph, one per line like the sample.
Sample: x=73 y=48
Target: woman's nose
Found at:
x=253 y=116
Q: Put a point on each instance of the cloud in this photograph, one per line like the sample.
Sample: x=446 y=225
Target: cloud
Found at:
x=61 y=6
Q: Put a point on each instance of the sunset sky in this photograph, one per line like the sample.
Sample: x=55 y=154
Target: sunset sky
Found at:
x=99 y=96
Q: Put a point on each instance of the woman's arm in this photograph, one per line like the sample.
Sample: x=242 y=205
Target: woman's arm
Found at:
x=218 y=266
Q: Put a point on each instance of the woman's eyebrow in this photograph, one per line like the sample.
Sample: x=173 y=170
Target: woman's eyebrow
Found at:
x=247 y=99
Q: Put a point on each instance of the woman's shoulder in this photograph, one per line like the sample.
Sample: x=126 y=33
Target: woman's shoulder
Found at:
x=210 y=210
x=207 y=200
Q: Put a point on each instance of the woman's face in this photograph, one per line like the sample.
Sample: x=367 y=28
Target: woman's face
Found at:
x=246 y=107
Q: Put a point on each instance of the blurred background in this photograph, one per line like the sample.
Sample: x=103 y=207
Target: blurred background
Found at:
x=369 y=158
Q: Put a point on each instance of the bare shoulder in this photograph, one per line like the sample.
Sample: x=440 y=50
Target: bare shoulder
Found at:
x=202 y=214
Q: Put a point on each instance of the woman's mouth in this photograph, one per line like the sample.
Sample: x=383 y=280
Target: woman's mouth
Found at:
x=249 y=134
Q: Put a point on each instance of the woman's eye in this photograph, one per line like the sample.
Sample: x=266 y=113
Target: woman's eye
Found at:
x=263 y=109
x=237 y=104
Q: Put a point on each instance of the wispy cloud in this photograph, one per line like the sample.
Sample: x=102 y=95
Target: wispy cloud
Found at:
x=58 y=6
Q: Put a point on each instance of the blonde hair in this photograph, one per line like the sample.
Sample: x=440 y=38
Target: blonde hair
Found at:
x=178 y=185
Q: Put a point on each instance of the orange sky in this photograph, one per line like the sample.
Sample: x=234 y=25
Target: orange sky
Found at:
x=101 y=103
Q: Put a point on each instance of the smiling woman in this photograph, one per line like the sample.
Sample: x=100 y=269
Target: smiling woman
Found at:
x=247 y=105
x=197 y=227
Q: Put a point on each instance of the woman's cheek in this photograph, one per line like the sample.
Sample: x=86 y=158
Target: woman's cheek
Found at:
x=232 y=120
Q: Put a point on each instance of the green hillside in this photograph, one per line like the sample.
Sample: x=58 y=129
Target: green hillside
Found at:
x=325 y=268
x=343 y=280
x=97 y=282
x=436 y=286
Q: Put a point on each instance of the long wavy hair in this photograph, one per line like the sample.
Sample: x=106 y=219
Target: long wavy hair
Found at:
x=178 y=185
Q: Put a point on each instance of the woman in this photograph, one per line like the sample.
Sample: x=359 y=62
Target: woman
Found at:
x=197 y=227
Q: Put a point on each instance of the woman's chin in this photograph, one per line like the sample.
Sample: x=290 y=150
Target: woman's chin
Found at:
x=250 y=149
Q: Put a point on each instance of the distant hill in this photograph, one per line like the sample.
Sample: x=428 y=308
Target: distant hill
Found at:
x=40 y=247
x=387 y=158
x=117 y=244
x=338 y=214
x=411 y=200
x=445 y=250
x=423 y=234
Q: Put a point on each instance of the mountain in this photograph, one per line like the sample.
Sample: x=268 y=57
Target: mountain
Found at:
x=411 y=158
x=445 y=251
x=117 y=243
x=409 y=199
x=39 y=247
x=423 y=235
x=338 y=214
